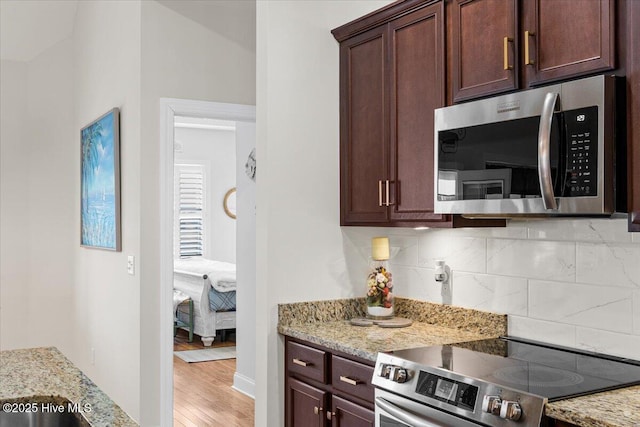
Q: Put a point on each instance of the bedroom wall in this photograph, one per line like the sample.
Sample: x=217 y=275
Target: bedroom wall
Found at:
x=106 y=75
x=217 y=150
x=180 y=59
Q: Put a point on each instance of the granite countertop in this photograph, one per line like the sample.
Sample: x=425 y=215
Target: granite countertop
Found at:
x=616 y=408
x=34 y=373
x=366 y=341
x=327 y=323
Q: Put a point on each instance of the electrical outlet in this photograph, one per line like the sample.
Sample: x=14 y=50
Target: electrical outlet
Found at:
x=447 y=295
x=131 y=265
x=446 y=290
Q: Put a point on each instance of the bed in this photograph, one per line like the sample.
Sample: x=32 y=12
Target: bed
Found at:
x=212 y=287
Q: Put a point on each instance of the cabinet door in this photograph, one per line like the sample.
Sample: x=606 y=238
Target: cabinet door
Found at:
x=417 y=89
x=567 y=38
x=306 y=405
x=484 y=47
x=348 y=414
x=632 y=12
x=364 y=132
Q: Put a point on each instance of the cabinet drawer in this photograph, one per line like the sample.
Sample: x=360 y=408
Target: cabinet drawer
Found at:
x=307 y=361
x=352 y=377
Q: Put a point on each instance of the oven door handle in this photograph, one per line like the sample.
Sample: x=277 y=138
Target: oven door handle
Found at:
x=544 y=149
x=411 y=419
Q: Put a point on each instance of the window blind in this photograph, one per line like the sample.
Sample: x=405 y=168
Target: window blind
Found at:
x=189 y=194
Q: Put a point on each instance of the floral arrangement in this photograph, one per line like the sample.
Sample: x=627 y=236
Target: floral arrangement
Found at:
x=380 y=284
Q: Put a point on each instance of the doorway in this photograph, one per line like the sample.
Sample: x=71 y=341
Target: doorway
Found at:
x=243 y=117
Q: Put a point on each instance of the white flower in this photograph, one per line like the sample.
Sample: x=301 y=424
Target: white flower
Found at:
x=381 y=278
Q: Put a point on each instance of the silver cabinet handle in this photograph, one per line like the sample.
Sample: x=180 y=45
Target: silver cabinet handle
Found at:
x=348 y=380
x=301 y=362
x=380 y=193
x=544 y=146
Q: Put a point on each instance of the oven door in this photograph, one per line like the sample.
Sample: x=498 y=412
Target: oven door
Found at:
x=393 y=410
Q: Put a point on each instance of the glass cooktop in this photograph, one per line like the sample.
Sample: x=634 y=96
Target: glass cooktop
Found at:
x=537 y=368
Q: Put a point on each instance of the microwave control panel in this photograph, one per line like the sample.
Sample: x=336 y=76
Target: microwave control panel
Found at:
x=582 y=152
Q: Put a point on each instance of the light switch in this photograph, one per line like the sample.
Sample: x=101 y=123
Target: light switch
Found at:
x=131 y=265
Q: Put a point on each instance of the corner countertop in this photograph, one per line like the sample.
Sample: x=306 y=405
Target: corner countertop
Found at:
x=366 y=341
x=326 y=323
x=45 y=371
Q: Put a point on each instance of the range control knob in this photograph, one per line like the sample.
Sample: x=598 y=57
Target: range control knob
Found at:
x=398 y=374
x=491 y=404
x=385 y=370
x=510 y=410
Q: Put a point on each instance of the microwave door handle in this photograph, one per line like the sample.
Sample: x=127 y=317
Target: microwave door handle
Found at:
x=544 y=148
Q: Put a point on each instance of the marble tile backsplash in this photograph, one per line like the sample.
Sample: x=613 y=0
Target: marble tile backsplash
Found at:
x=573 y=282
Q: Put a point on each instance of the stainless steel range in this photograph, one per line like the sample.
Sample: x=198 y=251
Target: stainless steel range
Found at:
x=496 y=382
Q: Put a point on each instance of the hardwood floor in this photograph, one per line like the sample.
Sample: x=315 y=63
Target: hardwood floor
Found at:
x=202 y=393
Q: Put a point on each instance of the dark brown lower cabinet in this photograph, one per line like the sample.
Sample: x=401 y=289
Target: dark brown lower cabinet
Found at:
x=326 y=389
x=345 y=413
x=307 y=404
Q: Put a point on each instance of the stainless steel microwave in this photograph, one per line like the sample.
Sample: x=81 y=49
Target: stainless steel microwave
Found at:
x=549 y=150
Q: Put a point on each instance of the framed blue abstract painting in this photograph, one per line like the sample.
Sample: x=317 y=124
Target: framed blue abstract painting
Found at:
x=100 y=183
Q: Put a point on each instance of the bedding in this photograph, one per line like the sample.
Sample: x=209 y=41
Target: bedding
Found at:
x=212 y=286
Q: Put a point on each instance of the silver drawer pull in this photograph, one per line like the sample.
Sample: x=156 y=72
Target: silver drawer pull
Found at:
x=301 y=362
x=349 y=380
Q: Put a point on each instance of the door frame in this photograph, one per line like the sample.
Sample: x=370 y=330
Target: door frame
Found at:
x=169 y=109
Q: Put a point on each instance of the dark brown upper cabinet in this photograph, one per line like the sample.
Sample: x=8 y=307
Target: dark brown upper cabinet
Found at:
x=416 y=49
x=484 y=47
x=364 y=127
x=391 y=80
x=503 y=45
x=563 y=39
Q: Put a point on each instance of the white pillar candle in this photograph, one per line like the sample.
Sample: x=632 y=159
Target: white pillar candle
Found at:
x=380 y=248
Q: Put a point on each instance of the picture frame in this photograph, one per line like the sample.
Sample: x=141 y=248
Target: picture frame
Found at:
x=100 y=226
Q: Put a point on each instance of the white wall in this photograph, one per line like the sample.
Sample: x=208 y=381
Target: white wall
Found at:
x=52 y=233
x=180 y=59
x=244 y=378
x=107 y=75
x=38 y=201
x=216 y=149
x=299 y=243
x=14 y=205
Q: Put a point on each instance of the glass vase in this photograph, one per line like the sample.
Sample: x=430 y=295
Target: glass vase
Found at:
x=379 y=291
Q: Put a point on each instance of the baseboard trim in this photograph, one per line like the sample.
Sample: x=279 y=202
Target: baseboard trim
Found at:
x=244 y=385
